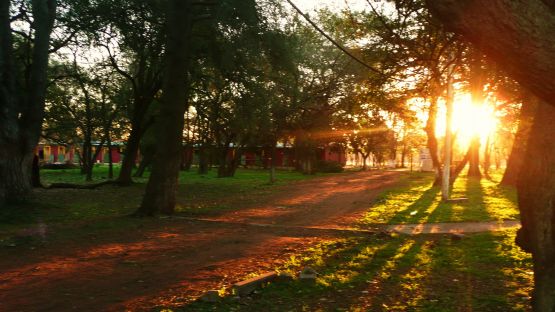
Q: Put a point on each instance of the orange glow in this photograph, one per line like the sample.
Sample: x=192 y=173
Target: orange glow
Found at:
x=469 y=119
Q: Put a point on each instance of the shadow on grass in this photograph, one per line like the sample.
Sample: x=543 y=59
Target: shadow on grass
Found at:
x=484 y=272
x=418 y=202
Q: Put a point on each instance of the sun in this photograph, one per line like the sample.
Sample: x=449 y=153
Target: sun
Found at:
x=469 y=120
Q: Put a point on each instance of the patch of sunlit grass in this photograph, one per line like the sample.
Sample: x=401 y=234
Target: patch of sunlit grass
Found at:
x=482 y=272
x=417 y=201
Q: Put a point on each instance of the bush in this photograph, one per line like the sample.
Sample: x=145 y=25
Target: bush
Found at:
x=329 y=166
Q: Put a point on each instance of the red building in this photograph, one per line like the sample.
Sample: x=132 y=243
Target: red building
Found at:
x=51 y=153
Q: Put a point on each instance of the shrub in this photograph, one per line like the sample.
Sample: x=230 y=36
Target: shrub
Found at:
x=329 y=166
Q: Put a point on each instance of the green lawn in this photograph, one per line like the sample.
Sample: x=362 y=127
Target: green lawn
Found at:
x=197 y=194
x=417 y=201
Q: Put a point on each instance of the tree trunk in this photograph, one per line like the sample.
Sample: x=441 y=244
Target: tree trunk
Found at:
x=163 y=183
x=187 y=159
x=203 y=160
x=474 y=161
x=432 y=140
x=536 y=198
x=487 y=157
x=516 y=159
x=110 y=160
x=22 y=107
x=130 y=155
x=15 y=173
x=148 y=157
x=364 y=157
x=457 y=170
x=516 y=34
x=273 y=163
x=35 y=175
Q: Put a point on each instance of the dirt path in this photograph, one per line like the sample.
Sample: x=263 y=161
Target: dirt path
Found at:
x=170 y=261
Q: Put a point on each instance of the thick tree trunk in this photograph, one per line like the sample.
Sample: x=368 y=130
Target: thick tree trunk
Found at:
x=516 y=34
x=15 y=173
x=163 y=183
x=516 y=159
x=22 y=109
x=536 y=197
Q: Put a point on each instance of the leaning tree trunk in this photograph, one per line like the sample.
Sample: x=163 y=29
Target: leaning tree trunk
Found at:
x=536 y=198
x=130 y=156
x=163 y=183
x=516 y=159
x=148 y=154
x=474 y=161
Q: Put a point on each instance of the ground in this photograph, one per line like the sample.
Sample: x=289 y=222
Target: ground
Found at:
x=169 y=261
x=117 y=263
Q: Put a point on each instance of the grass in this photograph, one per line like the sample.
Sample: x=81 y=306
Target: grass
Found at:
x=483 y=272
x=197 y=194
x=417 y=201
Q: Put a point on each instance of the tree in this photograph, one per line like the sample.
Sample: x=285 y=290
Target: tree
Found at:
x=518 y=35
x=22 y=96
x=518 y=153
x=163 y=182
x=81 y=110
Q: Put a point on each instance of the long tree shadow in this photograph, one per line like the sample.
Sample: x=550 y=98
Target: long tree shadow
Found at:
x=484 y=272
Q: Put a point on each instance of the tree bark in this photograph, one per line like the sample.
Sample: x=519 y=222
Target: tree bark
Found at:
x=22 y=107
x=35 y=175
x=516 y=159
x=163 y=183
x=516 y=34
x=536 y=198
